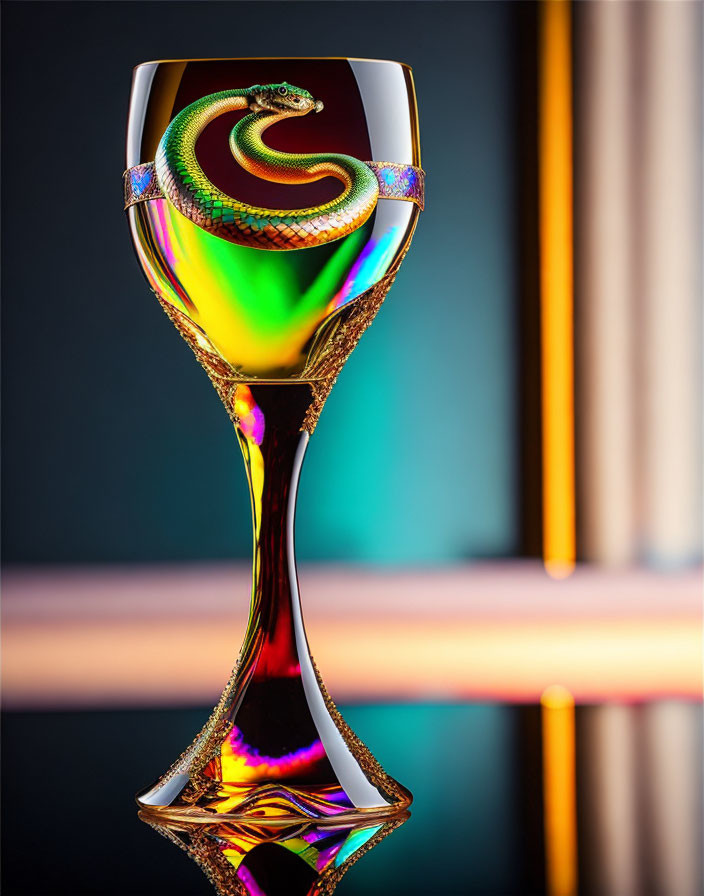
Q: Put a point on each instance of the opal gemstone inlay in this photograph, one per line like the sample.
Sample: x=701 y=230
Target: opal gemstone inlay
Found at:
x=400 y=182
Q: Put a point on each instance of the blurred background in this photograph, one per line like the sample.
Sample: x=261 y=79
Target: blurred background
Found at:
x=499 y=520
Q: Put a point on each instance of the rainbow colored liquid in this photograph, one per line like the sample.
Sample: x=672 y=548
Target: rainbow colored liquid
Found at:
x=261 y=309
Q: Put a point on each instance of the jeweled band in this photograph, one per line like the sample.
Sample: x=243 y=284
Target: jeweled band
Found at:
x=140 y=184
x=400 y=182
x=395 y=182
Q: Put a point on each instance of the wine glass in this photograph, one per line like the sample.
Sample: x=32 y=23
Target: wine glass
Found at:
x=272 y=258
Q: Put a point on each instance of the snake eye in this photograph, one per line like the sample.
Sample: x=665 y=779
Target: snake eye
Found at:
x=282 y=91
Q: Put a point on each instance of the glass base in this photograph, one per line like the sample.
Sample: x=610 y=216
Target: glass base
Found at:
x=275 y=751
x=169 y=816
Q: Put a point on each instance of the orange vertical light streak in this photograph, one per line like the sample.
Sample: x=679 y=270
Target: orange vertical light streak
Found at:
x=556 y=286
x=559 y=791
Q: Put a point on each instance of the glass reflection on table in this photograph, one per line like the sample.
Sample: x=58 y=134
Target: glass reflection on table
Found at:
x=296 y=860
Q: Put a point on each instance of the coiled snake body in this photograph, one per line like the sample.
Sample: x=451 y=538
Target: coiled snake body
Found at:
x=185 y=184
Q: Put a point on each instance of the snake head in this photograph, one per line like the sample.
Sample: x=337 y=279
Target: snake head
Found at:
x=283 y=98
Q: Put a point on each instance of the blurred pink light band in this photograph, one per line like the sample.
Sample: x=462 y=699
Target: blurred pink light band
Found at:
x=170 y=636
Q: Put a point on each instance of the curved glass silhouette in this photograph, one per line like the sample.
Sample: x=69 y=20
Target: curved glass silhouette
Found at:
x=270 y=203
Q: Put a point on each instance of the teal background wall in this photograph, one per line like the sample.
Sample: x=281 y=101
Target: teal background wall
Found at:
x=116 y=448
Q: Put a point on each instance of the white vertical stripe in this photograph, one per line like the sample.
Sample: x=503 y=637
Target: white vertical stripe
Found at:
x=670 y=267
x=610 y=799
x=672 y=798
x=605 y=283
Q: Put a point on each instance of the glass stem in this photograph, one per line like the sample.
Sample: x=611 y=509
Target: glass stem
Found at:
x=273 y=447
x=275 y=734
x=275 y=658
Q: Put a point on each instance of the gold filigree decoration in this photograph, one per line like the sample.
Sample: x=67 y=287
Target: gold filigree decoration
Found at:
x=332 y=876
x=206 y=744
x=221 y=374
x=206 y=853
x=335 y=342
x=366 y=761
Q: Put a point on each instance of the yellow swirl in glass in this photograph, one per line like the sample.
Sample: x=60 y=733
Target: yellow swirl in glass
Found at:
x=260 y=309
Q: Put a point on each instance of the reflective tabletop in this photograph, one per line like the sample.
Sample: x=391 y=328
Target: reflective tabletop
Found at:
x=497 y=809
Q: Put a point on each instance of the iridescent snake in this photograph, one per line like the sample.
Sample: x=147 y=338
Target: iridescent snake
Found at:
x=176 y=174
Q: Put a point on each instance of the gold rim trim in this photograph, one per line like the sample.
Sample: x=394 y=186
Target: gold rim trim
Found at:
x=273 y=59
